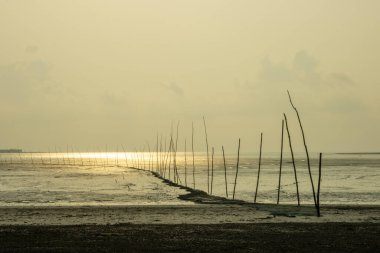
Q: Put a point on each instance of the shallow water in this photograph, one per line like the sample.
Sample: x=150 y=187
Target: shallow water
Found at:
x=105 y=179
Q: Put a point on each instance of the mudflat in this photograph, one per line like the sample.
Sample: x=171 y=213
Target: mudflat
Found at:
x=190 y=228
x=233 y=237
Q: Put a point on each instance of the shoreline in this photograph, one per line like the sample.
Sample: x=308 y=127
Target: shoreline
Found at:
x=186 y=214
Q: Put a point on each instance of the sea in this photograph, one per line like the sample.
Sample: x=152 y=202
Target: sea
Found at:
x=126 y=178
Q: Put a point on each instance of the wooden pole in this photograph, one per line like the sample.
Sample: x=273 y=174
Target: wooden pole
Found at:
x=117 y=156
x=258 y=172
x=160 y=166
x=279 y=175
x=294 y=164
x=157 y=154
x=107 y=154
x=212 y=168
x=208 y=160
x=307 y=153
x=150 y=156
x=185 y=166
x=319 y=184
x=125 y=155
x=237 y=170
x=225 y=172
x=175 y=156
x=192 y=149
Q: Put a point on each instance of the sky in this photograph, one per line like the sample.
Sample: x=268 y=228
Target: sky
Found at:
x=91 y=74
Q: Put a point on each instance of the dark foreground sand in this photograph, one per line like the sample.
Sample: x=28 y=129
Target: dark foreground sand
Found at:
x=190 y=228
x=263 y=237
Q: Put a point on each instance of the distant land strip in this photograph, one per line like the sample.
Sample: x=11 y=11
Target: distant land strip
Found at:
x=359 y=153
x=10 y=150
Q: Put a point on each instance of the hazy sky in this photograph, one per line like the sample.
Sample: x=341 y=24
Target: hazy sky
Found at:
x=91 y=73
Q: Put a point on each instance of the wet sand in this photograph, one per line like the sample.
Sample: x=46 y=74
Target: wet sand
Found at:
x=190 y=228
x=262 y=237
x=203 y=224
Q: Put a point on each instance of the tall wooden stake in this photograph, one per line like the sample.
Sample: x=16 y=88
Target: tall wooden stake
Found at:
x=307 y=153
x=192 y=149
x=212 y=168
x=294 y=164
x=319 y=184
x=237 y=170
x=208 y=160
x=225 y=172
x=185 y=166
x=258 y=172
x=279 y=175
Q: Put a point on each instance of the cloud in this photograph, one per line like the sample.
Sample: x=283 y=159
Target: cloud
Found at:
x=31 y=49
x=20 y=80
x=275 y=72
x=111 y=98
x=303 y=71
x=304 y=62
x=341 y=78
x=174 y=88
x=305 y=68
x=344 y=104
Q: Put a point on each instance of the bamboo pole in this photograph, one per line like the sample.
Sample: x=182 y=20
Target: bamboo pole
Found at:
x=168 y=157
x=319 y=184
x=143 y=158
x=125 y=155
x=164 y=162
x=185 y=166
x=150 y=156
x=19 y=155
x=208 y=160
x=157 y=154
x=160 y=168
x=117 y=155
x=81 y=158
x=225 y=172
x=42 y=161
x=170 y=154
x=279 y=175
x=107 y=154
x=51 y=164
x=192 y=149
x=73 y=154
x=150 y=163
x=67 y=154
x=237 y=170
x=294 y=164
x=88 y=156
x=175 y=156
x=258 y=172
x=212 y=168
x=307 y=153
x=56 y=154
